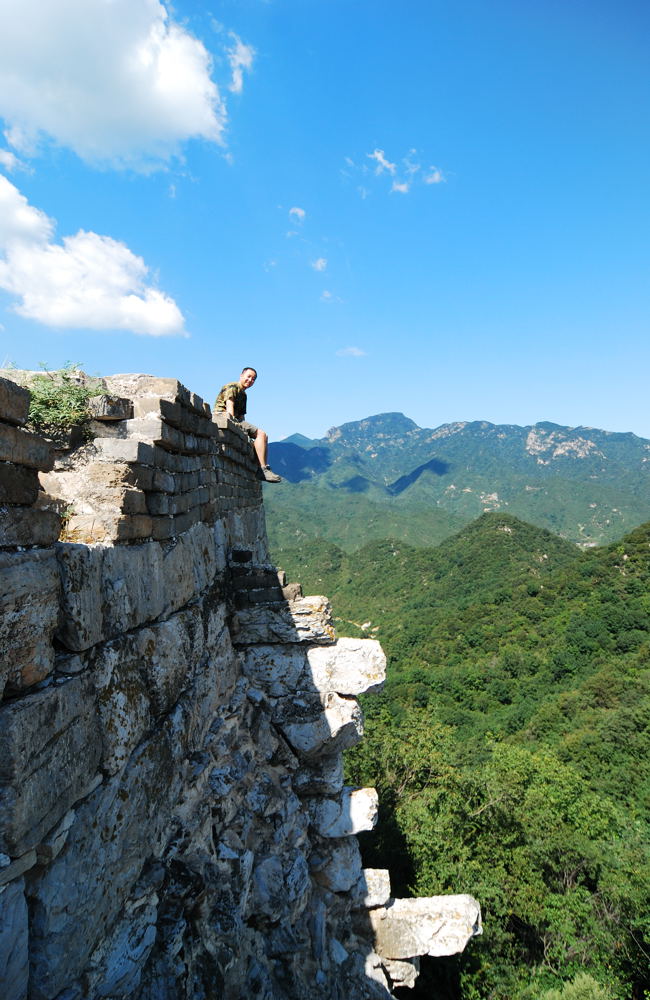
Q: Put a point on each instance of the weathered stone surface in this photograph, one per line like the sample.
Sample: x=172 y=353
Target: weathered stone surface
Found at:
x=49 y=753
x=308 y=619
x=402 y=974
x=353 y=811
x=325 y=777
x=435 y=925
x=336 y=865
x=24 y=448
x=276 y=670
x=14 y=959
x=29 y=609
x=18 y=867
x=316 y=726
x=108 y=590
x=18 y=484
x=372 y=889
x=14 y=402
x=79 y=896
x=23 y=526
x=106 y=407
x=350 y=666
x=116 y=965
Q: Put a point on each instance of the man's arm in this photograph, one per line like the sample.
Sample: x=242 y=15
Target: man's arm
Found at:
x=230 y=408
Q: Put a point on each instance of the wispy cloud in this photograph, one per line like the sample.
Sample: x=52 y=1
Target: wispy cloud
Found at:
x=86 y=281
x=298 y=214
x=398 y=176
x=435 y=176
x=121 y=83
x=320 y=264
x=240 y=57
x=351 y=352
x=10 y=162
x=382 y=163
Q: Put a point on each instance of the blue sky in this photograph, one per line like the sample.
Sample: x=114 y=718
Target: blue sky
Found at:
x=434 y=207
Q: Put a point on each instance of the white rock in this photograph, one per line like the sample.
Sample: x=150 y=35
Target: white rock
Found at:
x=372 y=889
x=352 y=812
x=315 y=726
x=338 y=864
x=402 y=973
x=350 y=666
x=434 y=925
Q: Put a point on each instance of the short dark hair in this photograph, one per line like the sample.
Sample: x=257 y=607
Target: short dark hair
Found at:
x=249 y=368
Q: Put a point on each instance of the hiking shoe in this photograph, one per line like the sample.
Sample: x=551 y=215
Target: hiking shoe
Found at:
x=270 y=476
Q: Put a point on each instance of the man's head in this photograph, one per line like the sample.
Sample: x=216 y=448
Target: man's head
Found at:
x=247 y=377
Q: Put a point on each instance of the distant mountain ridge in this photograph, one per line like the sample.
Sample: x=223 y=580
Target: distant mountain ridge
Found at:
x=587 y=485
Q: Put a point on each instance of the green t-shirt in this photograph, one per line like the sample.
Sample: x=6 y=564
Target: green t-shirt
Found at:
x=232 y=390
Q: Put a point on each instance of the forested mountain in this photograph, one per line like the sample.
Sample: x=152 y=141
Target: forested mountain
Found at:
x=510 y=746
x=385 y=476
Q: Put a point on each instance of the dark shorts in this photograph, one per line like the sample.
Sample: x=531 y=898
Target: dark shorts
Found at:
x=250 y=429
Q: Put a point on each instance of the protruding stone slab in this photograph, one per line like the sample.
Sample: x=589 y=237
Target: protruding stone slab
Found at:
x=29 y=609
x=24 y=448
x=350 y=666
x=49 y=753
x=308 y=619
x=354 y=811
x=14 y=938
x=106 y=407
x=435 y=925
x=315 y=726
x=14 y=402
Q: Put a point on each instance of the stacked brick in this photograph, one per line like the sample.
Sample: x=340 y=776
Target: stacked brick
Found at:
x=164 y=467
x=22 y=456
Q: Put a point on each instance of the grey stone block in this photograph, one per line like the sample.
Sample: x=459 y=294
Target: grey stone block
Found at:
x=18 y=484
x=26 y=526
x=308 y=619
x=49 y=753
x=29 y=610
x=23 y=448
x=14 y=402
x=106 y=407
x=76 y=900
x=14 y=939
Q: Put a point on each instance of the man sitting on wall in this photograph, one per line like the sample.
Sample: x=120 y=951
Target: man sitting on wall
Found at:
x=232 y=400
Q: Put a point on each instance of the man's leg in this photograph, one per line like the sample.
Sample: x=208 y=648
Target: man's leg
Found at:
x=261 y=444
x=260 y=441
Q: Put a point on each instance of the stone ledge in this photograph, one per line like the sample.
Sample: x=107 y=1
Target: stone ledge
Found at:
x=433 y=925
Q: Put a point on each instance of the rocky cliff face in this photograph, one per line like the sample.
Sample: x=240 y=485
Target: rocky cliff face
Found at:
x=173 y=818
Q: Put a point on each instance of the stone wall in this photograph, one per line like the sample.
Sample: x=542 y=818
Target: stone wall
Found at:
x=174 y=823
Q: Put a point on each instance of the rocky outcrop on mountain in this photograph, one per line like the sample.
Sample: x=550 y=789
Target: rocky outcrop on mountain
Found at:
x=174 y=821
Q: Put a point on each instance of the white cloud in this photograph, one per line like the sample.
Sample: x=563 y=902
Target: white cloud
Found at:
x=119 y=82
x=86 y=281
x=240 y=57
x=320 y=264
x=435 y=176
x=8 y=161
x=351 y=352
x=297 y=213
x=401 y=186
x=382 y=162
